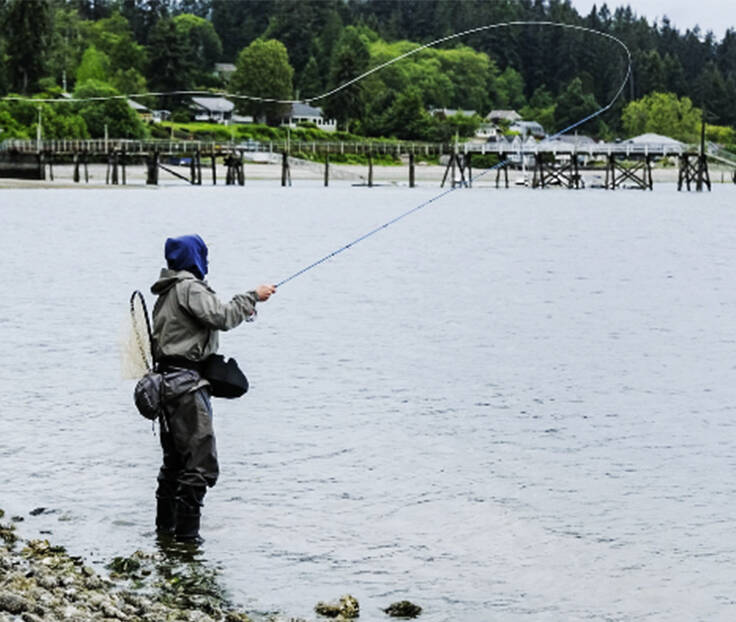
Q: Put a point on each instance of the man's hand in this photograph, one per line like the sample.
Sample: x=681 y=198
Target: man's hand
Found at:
x=264 y=292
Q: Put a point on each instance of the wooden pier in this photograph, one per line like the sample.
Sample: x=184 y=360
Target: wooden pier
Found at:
x=554 y=163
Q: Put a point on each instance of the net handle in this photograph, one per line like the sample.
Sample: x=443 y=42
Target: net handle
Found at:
x=141 y=347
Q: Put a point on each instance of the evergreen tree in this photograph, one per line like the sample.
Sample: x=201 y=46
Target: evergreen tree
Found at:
x=143 y=15
x=726 y=54
x=239 y=23
x=310 y=82
x=574 y=104
x=509 y=87
x=326 y=43
x=27 y=29
x=351 y=59
x=67 y=46
x=168 y=66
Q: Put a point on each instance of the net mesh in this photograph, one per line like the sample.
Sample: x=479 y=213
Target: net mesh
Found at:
x=135 y=345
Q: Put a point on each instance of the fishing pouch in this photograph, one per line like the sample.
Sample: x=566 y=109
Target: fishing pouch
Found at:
x=148 y=395
x=225 y=377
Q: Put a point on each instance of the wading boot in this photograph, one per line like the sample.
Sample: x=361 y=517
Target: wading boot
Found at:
x=187 y=528
x=165 y=515
x=188 y=510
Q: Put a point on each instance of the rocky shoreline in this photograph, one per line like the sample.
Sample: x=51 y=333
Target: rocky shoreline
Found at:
x=40 y=582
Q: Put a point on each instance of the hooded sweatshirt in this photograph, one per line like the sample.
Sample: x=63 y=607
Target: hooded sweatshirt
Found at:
x=188 y=252
x=188 y=315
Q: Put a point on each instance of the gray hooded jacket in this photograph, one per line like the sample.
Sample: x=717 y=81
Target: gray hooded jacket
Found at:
x=188 y=315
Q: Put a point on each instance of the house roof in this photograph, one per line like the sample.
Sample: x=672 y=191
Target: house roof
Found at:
x=136 y=106
x=448 y=112
x=224 y=67
x=214 y=104
x=571 y=139
x=529 y=126
x=505 y=115
x=301 y=109
x=657 y=139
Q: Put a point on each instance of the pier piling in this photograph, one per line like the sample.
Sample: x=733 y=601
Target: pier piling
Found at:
x=75 y=160
x=152 y=168
x=285 y=171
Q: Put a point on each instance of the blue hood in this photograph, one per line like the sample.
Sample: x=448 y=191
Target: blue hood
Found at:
x=188 y=252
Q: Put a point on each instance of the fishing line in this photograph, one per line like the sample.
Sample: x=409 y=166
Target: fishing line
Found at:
x=452 y=189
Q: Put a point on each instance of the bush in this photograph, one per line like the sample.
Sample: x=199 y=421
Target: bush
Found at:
x=181 y=116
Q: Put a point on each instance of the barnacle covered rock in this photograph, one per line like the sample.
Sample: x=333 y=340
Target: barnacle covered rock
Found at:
x=347 y=608
x=403 y=609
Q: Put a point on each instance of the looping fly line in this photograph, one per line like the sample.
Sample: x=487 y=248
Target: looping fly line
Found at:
x=452 y=189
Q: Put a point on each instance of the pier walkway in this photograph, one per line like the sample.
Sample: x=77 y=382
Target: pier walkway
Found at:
x=553 y=162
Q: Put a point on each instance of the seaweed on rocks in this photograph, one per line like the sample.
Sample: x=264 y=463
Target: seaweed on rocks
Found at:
x=403 y=609
x=346 y=608
x=43 y=582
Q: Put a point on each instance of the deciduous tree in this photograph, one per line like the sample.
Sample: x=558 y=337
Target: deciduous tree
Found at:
x=662 y=113
x=121 y=120
x=263 y=70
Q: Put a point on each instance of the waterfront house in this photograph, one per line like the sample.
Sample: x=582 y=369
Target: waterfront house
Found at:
x=143 y=111
x=304 y=113
x=214 y=109
x=528 y=128
x=224 y=70
x=444 y=113
x=503 y=116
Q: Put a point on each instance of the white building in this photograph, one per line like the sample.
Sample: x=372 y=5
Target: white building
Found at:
x=304 y=113
x=215 y=109
x=507 y=116
x=451 y=112
x=528 y=128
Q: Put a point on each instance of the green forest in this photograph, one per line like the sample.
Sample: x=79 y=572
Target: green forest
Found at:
x=301 y=48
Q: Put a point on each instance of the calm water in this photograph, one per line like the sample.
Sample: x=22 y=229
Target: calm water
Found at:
x=514 y=405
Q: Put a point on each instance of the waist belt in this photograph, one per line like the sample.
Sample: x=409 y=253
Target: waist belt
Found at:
x=166 y=363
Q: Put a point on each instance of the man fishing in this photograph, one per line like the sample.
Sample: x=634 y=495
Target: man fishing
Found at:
x=186 y=319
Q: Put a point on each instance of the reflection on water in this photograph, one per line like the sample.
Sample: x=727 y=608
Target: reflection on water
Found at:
x=514 y=405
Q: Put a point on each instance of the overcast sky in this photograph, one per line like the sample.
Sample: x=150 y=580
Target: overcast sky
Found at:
x=715 y=15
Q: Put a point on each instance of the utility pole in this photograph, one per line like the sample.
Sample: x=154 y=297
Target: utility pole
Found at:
x=39 y=133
